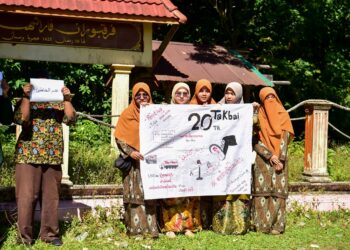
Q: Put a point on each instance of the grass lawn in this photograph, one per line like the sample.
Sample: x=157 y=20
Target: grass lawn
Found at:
x=305 y=230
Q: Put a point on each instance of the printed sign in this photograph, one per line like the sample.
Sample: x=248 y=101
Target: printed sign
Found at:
x=196 y=150
x=46 y=90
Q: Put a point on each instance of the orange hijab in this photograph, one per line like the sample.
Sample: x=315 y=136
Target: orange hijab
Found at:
x=127 y=128
x=273 y=120
x=199 y=85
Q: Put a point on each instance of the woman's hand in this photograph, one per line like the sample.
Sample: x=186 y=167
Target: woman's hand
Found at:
x=255 y=107
x=274 y=160
x=144 y=104
x=279 y=166
x=136 y=155
x=27 y=88
x=276 y=163
x=66 y=94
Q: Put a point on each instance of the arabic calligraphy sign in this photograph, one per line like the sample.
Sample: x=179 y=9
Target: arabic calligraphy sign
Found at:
x=70 y=32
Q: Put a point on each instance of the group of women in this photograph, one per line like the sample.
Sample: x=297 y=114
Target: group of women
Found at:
x=264 y=210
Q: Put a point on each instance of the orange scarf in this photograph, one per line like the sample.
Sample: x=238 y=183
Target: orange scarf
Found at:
x=199 y=85
x=127 y=128
x=274 y=119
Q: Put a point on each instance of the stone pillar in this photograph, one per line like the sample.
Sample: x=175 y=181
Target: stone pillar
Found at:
x=316 y=137
x=65 y=176
x=120 y=93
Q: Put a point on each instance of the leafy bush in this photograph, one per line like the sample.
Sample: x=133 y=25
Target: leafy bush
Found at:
x=338 y=162
x=87 y=132
x=92 y=164
x=7 y=170
x=295 y=160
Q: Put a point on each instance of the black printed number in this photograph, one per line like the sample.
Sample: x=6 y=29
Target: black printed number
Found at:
x=197 y=116
x=198 y=119
x=203 y=119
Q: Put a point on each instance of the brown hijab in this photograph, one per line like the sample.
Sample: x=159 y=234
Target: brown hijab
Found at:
x=199 y=85
x=273 y=120
x=127 y=128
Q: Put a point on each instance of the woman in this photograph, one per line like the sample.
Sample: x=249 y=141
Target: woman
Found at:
x=38 y=157
x=181 y=215
x=140 y=214
x=203 y=92
x=231 y=212
x=270 y=172
x=202 y=96
x=233 y=94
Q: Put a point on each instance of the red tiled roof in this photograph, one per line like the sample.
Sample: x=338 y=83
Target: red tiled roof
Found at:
x=185 y=62
x=152 y=10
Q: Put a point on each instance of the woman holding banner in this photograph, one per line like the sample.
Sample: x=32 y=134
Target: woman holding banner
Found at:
x=140 y=214
x=270 y=172
x=203 y=93
x=231 y=212
x=203 y=96
x=181 y=215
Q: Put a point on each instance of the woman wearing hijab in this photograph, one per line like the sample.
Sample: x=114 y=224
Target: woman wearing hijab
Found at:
x=202 y=96
x=181 y=215
x=203 y=93
x=233 y=94
x=140 y=214
x=270 y=172
x=231 y=212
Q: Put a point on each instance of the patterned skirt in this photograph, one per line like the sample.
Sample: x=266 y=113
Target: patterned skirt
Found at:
x=141 y=219
x=231 y=214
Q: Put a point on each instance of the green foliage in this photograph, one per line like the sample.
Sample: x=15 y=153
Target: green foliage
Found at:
x=338 y=162
x=88 y=132
x=295 y=160
x=306 y=43
x=92 y=164
x=7 y=169
x=87 y=82
x=91 y=158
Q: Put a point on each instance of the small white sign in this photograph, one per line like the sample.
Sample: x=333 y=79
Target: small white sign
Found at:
x=1 y=77
x=46 y=90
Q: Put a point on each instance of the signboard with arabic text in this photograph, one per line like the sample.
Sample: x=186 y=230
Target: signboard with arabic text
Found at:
x=17 y=28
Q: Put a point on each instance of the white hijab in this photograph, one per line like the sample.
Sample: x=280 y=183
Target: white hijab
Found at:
x=177 y=86
x=237 y=88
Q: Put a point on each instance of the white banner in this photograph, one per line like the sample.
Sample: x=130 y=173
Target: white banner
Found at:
x=46 y=90
x=196 y=150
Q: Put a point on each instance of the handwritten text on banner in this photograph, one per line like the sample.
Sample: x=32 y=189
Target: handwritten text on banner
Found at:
x=46 y=90
x=193 y=150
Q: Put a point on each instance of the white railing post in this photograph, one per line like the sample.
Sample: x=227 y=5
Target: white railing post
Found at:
x=120 y=93
x=316 y=141
x=65 y=176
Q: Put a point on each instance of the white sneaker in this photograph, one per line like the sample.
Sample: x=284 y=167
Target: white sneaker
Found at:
x=170 y=235
x=189 y=234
